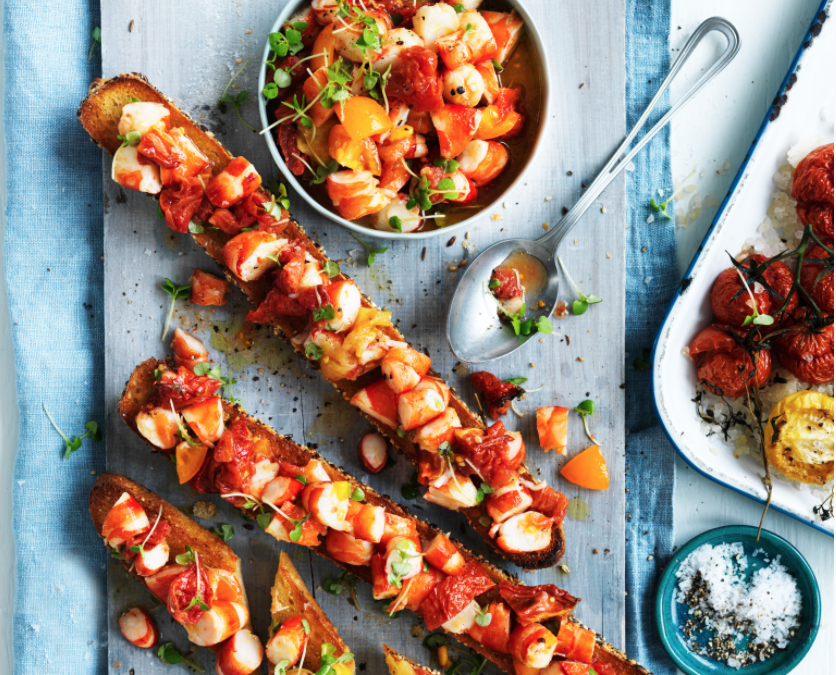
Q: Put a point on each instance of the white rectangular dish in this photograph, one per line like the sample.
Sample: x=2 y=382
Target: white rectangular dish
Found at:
x=801 y=114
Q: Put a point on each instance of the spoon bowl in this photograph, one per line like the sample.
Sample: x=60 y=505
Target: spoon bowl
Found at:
x=474 y=330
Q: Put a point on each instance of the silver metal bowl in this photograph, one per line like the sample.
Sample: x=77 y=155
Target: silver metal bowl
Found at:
x=292 y=8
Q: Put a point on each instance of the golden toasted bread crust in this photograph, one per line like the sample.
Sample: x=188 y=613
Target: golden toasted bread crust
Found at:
x=139 y=391
x=393 y=658
x=100 y=112
x=184 y=531
x=292 y=598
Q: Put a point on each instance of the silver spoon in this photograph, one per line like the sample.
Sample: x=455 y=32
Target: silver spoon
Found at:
x=474 y=330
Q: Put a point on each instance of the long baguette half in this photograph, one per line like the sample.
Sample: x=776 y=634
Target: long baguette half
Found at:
x=100 y=112
x=140 y=390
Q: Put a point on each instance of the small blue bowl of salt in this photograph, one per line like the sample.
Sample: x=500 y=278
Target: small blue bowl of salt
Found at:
x=730 y=603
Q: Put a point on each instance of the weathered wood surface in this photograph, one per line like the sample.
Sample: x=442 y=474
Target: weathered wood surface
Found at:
x=189 y=49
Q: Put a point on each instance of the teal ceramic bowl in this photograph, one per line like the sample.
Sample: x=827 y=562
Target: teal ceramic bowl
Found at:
x=671 y=615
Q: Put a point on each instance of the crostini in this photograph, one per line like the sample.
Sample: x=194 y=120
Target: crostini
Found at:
x=300 y=632
x=398 y=664
x=319 y=311
x=193 y=573
x=297 y=497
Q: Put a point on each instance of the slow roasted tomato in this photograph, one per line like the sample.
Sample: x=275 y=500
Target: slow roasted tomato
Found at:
x=292 y=260
x=180 y=204
x=188 y=585
x=731 y=302
x=207 y=289
x=535 y=604
x=496 y=393
x=550 y=503
x=816 y=280
x=807 y=349
x=234 y=453
x=509 y=283
x=456 y=125
x=453 y=594
x=487 y=453
x=812 y=189
x=415 y=80
x=286 y=137
x=723 y=365
x=495 y=635
x=182 y=388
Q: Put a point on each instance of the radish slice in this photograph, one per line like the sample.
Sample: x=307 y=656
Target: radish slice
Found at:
x=374 y=452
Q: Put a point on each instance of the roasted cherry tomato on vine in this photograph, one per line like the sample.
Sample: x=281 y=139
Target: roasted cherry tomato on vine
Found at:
x=816 y=279
x=497 y=394
x=731 y=302
x=183 y=388
x=723 y=365
x=191 y=584
x=812 y=188
x=806 y=350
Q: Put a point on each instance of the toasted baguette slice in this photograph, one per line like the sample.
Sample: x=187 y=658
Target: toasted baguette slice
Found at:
x=292 y=598
x=140 y=390
x=398 y=664
x=100 y=112
x=213 y=551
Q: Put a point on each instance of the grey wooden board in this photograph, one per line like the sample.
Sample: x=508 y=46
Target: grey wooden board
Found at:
x=189 y=49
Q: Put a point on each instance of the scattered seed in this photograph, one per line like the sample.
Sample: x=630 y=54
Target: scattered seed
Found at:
x=532 y=364
x=424 y=254
x=541 y=304
x=644 y=249
x=580 y=358
x=650 y=557
x=248 y=32
x=609 y=255
x=581 y=85
x=546 y=227
x=467 y=235
x=496 y=216
x=567 y=341
x=594 y=551
x=131 y=26
x=452 y=268
x=452 y=241
x=547 y=199
x=603 y=209
x=463 y=262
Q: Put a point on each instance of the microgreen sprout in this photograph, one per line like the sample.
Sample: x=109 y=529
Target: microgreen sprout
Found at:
x=422 y=192
x=326 y=313
x=97 y=38
x=755 y=317
x=586 y=409
x=483 y=491
x=70 y=446
x=373 y=252
x=322 y=172
x=225 y=531
x=483 y=618
x=662 y=209
x=176 y=292
x=497 y=65
x=642 y=362
x=411 y=490
x=170 y=655
x=314 y=352
x=494 y=283
x=524 y=327
x=516 y=380
x=459 y=7
x=238 y=100
x=216 y=373
x=338 y=585
x=132 y=138
x=399 y=569
x=579 y=306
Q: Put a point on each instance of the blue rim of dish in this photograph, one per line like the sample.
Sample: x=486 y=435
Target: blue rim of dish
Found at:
x=808 y=37
x=292 y=7
x=733 y=531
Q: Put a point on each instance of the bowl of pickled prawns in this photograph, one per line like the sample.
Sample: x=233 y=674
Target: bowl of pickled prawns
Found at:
x=403 y=119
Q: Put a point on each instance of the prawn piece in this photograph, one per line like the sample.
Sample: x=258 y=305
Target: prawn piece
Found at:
x=482 y=161
x=458 y=492
x=329 y=503
x=408 y=220
x=207 y=289
x=345 y=299
x=378 y=401
x=507 y=30
x=188 y=350
x=125 y=519
x=393 y=177
x=418 y=407
x=369 y=523
x=242 y=654
x=142 y=116
x=206 y=419
x=456 y=126
x=192 y=165
x=236 y=182
x=442 y=554
x=346 y=36
x=249 y=255
x=463 y=86
x=462 y=191
x=432 y=22
x=347 y=549
x=131 y=170
x=158 y=426
x=398 y=40
x=491 y=81
x=440 y=430
x=471 y=43
x=525 y=533
x=280 y=490
x=404 y=368
x=508 y=501
x=139 y=628
x=355 y=193
x=288 y=643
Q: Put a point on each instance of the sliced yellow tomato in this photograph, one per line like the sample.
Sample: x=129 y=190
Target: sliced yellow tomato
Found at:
x=588 y=469
x=494 y=124
x=370 y=324
x=189 y=460
x=343 y=148
x=323 y=48
x=363 y=117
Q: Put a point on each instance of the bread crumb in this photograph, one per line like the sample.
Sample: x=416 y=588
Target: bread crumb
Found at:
x=603 y=209
x=580 y=358
x=532 y=364
x=546 y=226
x=547 y=199
x=417 y=631
x=452 y=268
x=609 y=255
x=248 y=32
x=205 y=510
x=496 y=216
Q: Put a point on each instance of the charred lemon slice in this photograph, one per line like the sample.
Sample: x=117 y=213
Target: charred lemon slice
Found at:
x=799 y=437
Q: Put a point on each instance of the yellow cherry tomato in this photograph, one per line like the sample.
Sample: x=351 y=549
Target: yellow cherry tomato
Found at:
x=588 y=469
x=799 y=437
x=362 y=117
x=189 y=460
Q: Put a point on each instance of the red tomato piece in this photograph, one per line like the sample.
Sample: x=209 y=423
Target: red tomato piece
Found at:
x=234 y=452
x=550 y=503
x=381 y=588
x=496 y=393
x=443 y=554
x=495 y=635
x=179 y=205
x=415 y=81
x=807 y=350
x=552 y=428
x=812 y=188
x=158 y=146
x=456 y=126
x=416 y=590
x=236 y=182
x=194 y=161
x=453 y=594
x=191 y=584
x=182 y=388
x=723 y=366
x=207 y=289
x=814 y=280
x=535 y=604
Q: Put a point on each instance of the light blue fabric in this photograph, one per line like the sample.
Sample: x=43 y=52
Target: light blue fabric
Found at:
x=54 y=278
x=55 y=284
x=652 y=276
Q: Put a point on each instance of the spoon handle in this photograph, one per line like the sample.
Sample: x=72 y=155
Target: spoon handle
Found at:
x=619 y=159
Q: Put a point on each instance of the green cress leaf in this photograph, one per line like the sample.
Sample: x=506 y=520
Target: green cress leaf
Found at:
x=593 y=299
x=169 y=654
x=97 y=38
x=396 y=224
x=271 y=89
x=225 y=531
x=358 y=495
x=301 y=26
x=446 y=184
x=763 y=320
x=586 y=407
x=314 y=352
x=483 y=618
x=495 y=283
x=196 y=228
x=517 y=380
x=497 y=65
x=301 y=479
x=332 y=269
x=186 y=558
x=579 y=307
x=327 y=313
x=263 y=520
x=459 y=7
x=544 y=325
x=433 y=642
x=372 y=251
